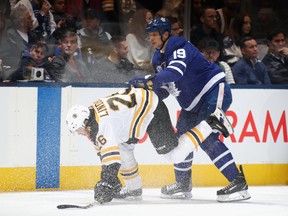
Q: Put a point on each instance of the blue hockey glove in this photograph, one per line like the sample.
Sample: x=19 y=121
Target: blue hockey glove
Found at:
x=141 y=82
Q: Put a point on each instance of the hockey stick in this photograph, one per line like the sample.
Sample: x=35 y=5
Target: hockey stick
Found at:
x=65 y=206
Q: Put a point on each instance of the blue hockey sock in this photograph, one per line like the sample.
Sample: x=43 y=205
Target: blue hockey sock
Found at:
x=220 y=156
x=183 y=170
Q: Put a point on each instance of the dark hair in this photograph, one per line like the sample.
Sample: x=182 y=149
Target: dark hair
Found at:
x=92 y=13
x=243 y=41
x=40 y=44
x=275 y=33
x=117 y=39
x=240 y=23
x=208 y=43
x=67 y=34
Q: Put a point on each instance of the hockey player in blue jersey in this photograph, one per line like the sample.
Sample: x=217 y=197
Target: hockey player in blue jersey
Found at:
x=199 y=87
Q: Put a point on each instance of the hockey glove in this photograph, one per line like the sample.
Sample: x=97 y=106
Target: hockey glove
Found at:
x=141 y=82
x=109 y=185
x=104 y=191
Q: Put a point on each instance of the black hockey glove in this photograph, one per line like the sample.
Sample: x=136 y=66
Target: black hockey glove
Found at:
x=109 y=185
x=104 y=191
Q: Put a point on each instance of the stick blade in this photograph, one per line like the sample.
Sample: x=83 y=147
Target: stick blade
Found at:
x=65 y=206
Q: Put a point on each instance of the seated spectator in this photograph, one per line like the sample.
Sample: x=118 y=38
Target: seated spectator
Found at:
x=67 y=67
x=208 y=19
x=36 y=57
x=249 y=70
x=92 y=26
x=176 y=26
x=77 y=8
x=228 y=27
x=116 y=68
x=58 y=11
x=17 y=38
x=211 y=50
x=140 y=49
x=43 y=20
x=276 y=60
x=93 y=36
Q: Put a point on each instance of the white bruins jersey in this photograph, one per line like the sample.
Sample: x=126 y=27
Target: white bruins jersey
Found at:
x=121 y=116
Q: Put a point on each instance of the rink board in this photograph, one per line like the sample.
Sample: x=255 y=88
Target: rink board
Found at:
x=37 y=152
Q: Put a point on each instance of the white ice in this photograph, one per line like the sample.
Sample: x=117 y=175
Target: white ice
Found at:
x=265 y=201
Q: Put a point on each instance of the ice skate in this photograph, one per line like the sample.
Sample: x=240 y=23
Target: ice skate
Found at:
x=219 y=122
x=237 y=190
x=176 y=190
x=127 y=194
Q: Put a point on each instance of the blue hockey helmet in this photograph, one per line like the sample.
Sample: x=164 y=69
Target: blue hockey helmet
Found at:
x=160 y=24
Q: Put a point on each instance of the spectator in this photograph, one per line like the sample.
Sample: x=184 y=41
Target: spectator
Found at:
x=276 y=60
x=92 y=26
x=67 y=67
x=210 y=48
x=176 y=26
x=116 y=68
x=140 y=49
x=207 y=28
x=16 y=39
x=43 y=20
x=77 y=8
x=93 y=36
x=195 y=13
x=244 y=25
x=266 y=20
x=249 y=70
x=58 y=11
x=35 y=57
x=226 y=26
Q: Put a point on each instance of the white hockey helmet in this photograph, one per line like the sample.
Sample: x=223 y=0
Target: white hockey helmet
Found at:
x=76 y=116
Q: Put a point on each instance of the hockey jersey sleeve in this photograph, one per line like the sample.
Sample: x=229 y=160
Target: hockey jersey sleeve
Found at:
x=108 y=145
x=176 y=67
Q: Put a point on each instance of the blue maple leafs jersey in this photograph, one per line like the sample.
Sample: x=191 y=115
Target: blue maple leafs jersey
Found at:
x=183 y=72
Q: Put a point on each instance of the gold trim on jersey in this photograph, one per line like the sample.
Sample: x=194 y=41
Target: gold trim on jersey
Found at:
x=141 y=113
x=110 y=155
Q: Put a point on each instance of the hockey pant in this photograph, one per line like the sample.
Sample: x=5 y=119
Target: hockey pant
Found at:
x=165 y=140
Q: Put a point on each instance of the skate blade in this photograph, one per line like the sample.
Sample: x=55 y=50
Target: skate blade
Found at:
x=130 y=198
x=133 y=198
x=237 y=196
x=180 y=195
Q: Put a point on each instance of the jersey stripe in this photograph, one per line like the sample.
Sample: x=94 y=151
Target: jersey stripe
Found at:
x=176 y=68
x=206 y=88
x=109 y=149
x=111 y=160
x=142 y=111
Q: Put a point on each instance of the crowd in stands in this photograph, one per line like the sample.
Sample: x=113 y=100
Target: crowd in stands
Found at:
x=105 y=41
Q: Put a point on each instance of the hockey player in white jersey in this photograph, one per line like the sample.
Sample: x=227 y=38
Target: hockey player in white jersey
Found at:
x=115 y=123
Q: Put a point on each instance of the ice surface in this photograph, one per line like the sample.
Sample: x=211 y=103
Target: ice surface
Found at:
x=265 y=201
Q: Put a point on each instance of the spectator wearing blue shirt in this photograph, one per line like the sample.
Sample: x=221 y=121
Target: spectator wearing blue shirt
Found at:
x=249 y=70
